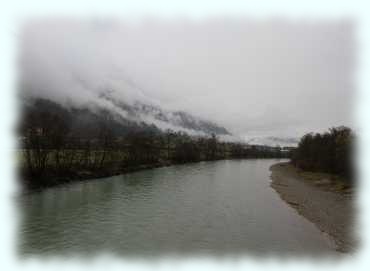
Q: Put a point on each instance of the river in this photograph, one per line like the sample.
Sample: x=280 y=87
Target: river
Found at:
x=211 y=208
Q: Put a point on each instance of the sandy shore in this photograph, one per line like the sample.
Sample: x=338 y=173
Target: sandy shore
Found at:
x=320 y=199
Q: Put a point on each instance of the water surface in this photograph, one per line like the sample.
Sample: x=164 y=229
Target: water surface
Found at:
x=202 y=208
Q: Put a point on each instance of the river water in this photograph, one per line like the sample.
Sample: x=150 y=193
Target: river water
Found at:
x=211 y=208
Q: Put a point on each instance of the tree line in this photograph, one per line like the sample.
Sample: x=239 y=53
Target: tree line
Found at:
x=52 y=153
x=329 y=152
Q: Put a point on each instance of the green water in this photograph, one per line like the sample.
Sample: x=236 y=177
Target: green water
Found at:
x=212 y=208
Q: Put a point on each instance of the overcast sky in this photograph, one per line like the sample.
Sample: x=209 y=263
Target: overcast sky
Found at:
x=256 y=78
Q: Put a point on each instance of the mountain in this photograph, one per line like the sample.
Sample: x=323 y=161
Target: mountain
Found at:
x=123 y=118
x=164 y=119
x=274 y=141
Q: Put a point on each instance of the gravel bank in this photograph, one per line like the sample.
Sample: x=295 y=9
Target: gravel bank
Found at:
x=319 y=199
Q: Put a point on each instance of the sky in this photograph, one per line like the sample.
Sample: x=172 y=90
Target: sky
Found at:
x=276 y=77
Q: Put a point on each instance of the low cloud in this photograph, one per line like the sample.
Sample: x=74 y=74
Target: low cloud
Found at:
x=266 y=78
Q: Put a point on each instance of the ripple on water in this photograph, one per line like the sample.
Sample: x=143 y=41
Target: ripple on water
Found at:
x=210 y=207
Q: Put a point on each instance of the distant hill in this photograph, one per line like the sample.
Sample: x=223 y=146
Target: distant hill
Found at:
x=85 y=121
x=274 y=141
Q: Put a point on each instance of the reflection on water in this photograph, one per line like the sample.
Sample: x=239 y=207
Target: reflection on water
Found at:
x=208 y=207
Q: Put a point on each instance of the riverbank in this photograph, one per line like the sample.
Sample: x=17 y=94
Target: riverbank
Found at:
x=321 y=198
x=50 y=179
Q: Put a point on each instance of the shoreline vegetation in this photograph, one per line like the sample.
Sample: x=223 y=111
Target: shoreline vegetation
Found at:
x=324 y=199
x=330 y=152
x=34 y=178
x=45 y=164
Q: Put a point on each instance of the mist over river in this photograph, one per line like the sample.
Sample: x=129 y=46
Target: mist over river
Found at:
x=211 y=208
